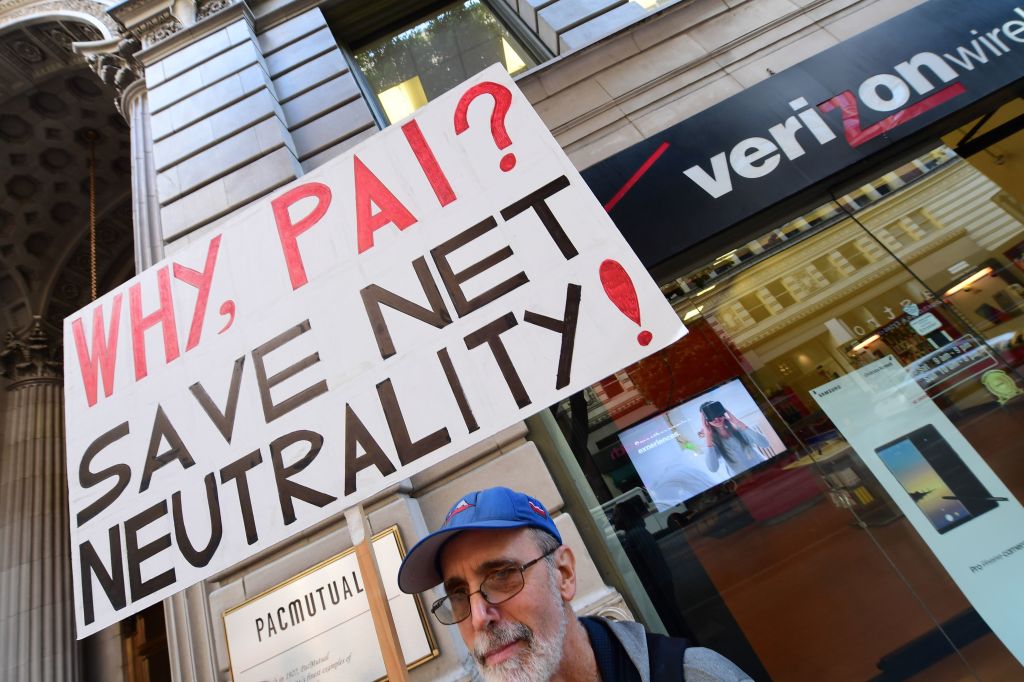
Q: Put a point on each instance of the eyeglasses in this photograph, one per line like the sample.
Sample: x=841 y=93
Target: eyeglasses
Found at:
x=496 y=587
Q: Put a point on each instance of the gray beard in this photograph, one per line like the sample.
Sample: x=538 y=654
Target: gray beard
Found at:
x=536 y=663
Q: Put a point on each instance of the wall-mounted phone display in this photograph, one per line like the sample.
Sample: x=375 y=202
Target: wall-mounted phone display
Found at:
x=947 y=492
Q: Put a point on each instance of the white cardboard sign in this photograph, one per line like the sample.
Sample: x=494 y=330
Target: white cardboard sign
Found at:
x=417 y=294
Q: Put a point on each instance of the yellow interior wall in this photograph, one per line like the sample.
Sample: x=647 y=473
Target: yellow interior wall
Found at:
x=1002 y=162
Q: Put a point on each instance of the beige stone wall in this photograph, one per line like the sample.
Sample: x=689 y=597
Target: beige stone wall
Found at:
x=626 y=87
x=237 y=110
x=241 y=107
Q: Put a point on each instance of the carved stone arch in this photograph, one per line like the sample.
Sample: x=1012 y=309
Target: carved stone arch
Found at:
x=14 y=13
x=51 y=105
x=78 y=32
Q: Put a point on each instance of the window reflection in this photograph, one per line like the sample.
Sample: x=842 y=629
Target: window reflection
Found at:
x=923 y=265
x=412 y=66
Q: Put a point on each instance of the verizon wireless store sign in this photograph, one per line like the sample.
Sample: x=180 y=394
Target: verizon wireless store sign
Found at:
x=781 y=140
x=443 y=280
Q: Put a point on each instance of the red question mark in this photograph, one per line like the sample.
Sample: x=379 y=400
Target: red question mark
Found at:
x=502 y=101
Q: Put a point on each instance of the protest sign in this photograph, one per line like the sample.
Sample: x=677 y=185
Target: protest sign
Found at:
x=425 y=289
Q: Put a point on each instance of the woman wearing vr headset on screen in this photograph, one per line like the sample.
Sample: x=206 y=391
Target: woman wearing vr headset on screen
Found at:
x=729 y=440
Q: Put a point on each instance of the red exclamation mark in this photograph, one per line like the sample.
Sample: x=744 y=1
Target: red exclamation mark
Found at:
x=620 y=290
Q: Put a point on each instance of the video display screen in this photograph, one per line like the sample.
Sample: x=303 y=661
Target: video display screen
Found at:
x=700 y=443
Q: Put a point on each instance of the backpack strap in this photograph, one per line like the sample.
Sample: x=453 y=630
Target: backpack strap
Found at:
x=666 y=657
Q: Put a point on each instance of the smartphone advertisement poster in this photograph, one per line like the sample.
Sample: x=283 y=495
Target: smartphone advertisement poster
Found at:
x=960 y=508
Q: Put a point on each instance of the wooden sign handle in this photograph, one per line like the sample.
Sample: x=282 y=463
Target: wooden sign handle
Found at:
x=380 y=610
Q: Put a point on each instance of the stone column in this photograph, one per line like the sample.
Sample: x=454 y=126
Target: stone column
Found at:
x=149 y=247
x=37 y=631
x=114 y=63
x=185 y=613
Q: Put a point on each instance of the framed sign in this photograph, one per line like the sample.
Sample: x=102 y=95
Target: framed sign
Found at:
x=317 y=625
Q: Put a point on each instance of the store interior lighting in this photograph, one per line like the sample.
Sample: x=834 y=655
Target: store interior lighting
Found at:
x=866 y=342
x=984 y=272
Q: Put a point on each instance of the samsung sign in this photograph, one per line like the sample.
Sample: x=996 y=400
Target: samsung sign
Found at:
x=792 y=131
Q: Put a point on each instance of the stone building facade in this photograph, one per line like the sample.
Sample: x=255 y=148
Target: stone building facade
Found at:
x=190 y=110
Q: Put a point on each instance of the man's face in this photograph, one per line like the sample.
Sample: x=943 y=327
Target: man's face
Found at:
x=519 y=639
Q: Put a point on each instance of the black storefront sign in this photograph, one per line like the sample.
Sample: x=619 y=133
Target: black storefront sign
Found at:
x=808 y=123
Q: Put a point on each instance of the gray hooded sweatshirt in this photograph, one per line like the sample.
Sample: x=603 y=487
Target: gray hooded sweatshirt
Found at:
x=699 y=664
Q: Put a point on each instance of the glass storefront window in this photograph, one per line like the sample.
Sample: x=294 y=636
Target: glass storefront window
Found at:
x=411 y=66
x=756 y=522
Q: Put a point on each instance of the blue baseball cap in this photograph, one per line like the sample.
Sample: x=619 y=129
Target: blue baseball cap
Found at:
x=491 y=509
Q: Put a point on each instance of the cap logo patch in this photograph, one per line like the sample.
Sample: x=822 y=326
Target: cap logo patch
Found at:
x=536 y=509
x=457 y=509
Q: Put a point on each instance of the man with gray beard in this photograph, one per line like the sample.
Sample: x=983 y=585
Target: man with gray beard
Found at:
x=502 y=547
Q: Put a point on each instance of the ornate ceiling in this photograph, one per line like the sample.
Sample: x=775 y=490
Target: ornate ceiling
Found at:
x=32 y=52
x=50 y=102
